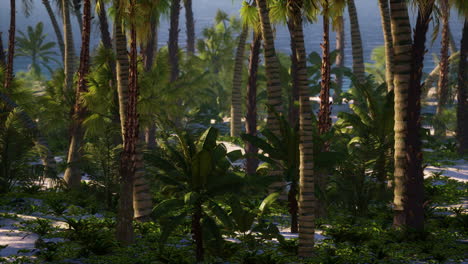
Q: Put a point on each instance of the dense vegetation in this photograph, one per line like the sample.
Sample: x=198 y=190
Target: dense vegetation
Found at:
x=228 y=151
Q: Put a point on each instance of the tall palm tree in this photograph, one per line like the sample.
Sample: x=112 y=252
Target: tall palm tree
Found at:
x=103 y=24
x=409 y=58
x=388 y=40
x=236 y=96
x=128 y=160
x=340 y=56
x=2 y=53
x=174 y=40
x=68 y=64
x=55 y=26
x=72 y=173
x=356 y=43
x=462 y=91
x=190 y=26
x=11 y=47
x=443 y=84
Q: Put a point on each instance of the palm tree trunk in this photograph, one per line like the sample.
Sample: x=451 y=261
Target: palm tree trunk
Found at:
x=293 y=110
x=76 y=10
x=402 y=43
x=190 y=25
x=272 y=69
x=174 y=40
x=197 y=233
x=148 y=49
x=414 y=200
x=462 y=94
x=122 y=73
x=340 y=57
x=104 y=25
x=389 y=53
x=68 y=64
x=306 y=172
x=251 y=117
x=128 y=162
x=72 y=174
x=11 y=47
x=55 y=26
x=356 y=43
x=2 y=53
x=236 y=96
x=443 y=85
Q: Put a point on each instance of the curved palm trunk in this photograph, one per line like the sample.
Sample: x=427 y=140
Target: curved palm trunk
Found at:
x=389 y=53
x=306 y=173
x=174 y=40
x=11 y=47
x=55 y=26
x=236 y=96
x=104 y=25
x=272 y=68
x=190 y=25
x=340 y=57
x=402 y=43
x=68 y=64
x=128 y=161
x=251 y=117
x=462 y=94
x=356 y=43
x=443 y=84
x=72 y=174
x=76 y=10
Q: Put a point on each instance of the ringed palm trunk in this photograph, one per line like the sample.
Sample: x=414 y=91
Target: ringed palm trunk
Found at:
x=11 y=47
x=340 y=57
x=356 y=43
x=128 y=161
x=68 y=64
x=443 y=84
x=272 y=68
x=236 y=96
x=72 y=174
x=55 y=26
x=251 y=117
x=293 y=110
x=388 y=40
x=402 y=43
x=462 y=94
x=174 y=40
x=190 y=26
x=306 y=173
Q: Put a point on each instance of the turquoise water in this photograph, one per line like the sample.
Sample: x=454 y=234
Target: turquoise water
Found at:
x=204 y=12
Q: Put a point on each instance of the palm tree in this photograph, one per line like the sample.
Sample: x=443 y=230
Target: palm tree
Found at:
x=462 y=92
x=340 y=56
x=68 y=63
x=33 y=46
x=356 y=43
x=11 y=47
x=443 y=84
x=72 y=174
x=190 y=26
x=174 y=40
x=103 y=24
x=236 y=96
x=2 y=52
x=55 y=26
x=388 y=40
x=128 y=162
x=409 y=58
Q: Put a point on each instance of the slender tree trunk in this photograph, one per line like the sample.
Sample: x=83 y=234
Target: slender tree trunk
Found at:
x=414 y=200
x=128 y=162
x=11 y=47
x=402 y=43
x=197 y=233
x=340 y=57
x=122 y=73
x=55 y=26
x=306 y=172
x=174 y=40
x=2 y=53
x=389 y=53
x=76 y=10
x=293 y=208
x=72 y=174
x=148 y=49
x=272 y=69
x=294 y=96
x=104 y=25
x=150 y=137
x=462 y=94
x=356 y=43
x=68 y=64
x=236 y=96
x=443 y=85
x=251 y=117
x=190 y=25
